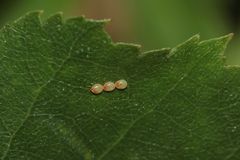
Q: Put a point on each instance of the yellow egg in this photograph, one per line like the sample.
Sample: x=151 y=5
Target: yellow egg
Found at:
x=97 y=89
x=109 y=86
x=121 y=84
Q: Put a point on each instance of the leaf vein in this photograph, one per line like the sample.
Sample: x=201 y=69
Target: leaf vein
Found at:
x=39 y=91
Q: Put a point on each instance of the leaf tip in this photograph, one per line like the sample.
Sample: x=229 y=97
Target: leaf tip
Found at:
x=54 y=18
x=163 y=51
x=196 y=37
x=102 y=22
x=194 y=40
x=137 y=46
x=229 y=37
x=30 y=16
x=36 y=13
x=60 y=14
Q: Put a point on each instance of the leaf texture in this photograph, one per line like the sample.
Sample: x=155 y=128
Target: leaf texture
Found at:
x=181 y=103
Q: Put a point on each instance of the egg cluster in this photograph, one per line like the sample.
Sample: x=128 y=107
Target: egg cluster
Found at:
x=109 y=86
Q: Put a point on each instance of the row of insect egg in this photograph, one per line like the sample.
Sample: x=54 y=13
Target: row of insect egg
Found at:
x=109 y=86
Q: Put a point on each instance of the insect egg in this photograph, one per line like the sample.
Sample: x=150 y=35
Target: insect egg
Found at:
x=121 y=84
x=109 y=86
x=96 y=89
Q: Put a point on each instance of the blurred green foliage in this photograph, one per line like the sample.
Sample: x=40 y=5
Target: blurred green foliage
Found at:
x=154 y=24
x=49 y=6
x=168 y=22
x=20 y=7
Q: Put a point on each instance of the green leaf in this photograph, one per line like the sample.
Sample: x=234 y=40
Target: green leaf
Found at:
x=181 y=103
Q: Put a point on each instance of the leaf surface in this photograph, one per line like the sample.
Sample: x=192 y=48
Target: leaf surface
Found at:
x=181 y=103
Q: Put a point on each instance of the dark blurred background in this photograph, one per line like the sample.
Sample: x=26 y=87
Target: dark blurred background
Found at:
x=151 y=23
